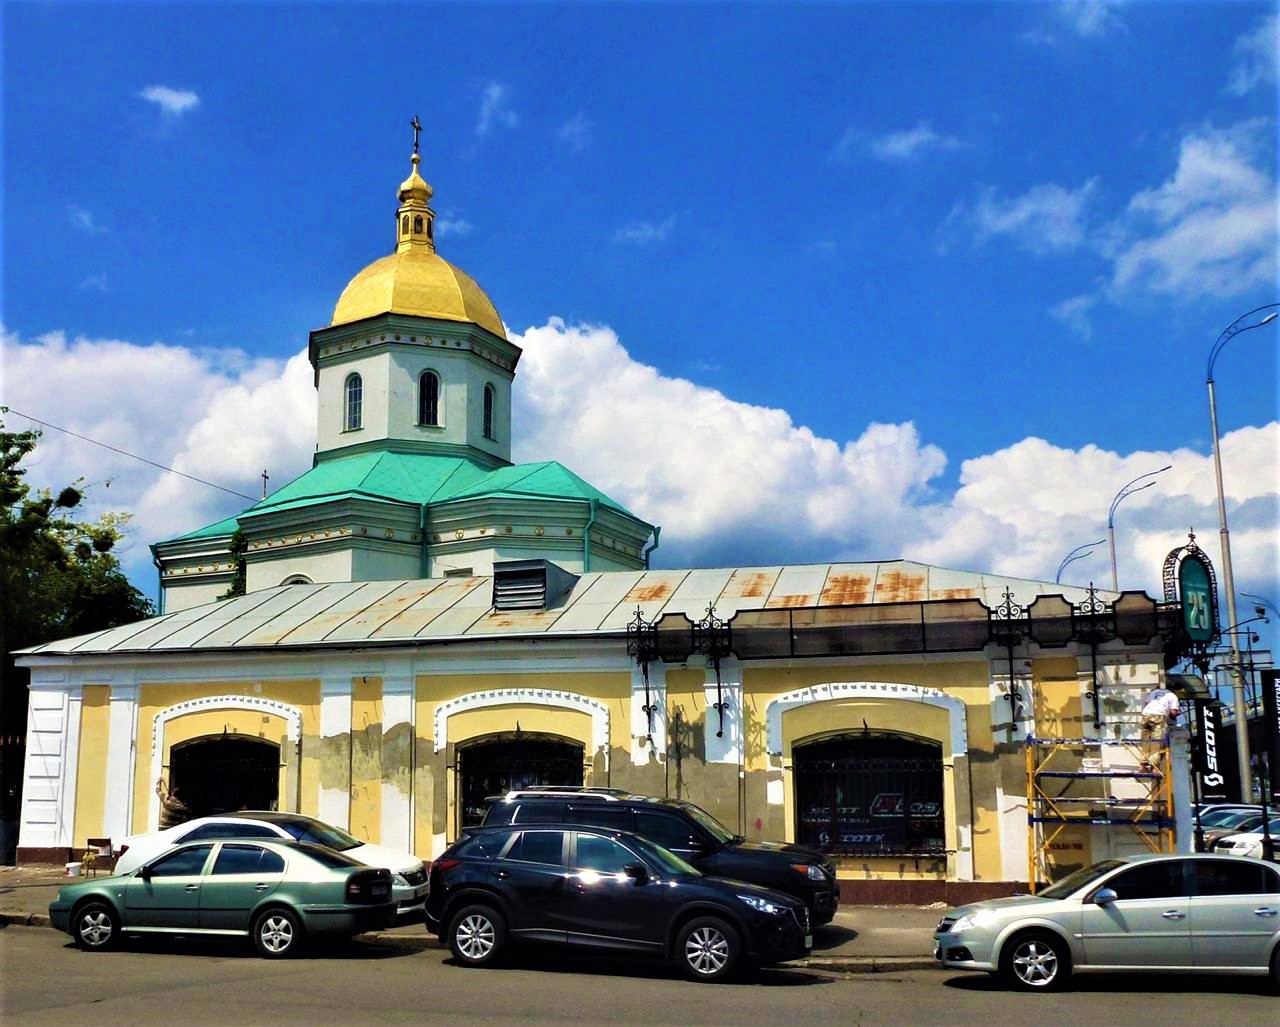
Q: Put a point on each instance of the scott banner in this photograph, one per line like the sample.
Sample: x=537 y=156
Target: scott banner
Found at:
x=1271 y=730
x=1216 y=770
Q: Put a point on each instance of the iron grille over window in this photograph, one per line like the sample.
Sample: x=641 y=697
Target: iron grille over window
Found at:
x=870 y=795
x=488 y=412
x=429 y=399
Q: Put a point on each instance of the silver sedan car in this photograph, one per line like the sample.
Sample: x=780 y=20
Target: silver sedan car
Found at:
x=1184 y=914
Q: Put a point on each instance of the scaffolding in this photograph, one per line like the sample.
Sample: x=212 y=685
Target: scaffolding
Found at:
x=1073 y=782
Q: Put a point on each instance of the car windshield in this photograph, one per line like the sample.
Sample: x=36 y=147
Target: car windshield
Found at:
x=1074 y=882
x=1217 y=817
x=668 y=861
x=709 y=823
x=1243 y=818
x=320 y=834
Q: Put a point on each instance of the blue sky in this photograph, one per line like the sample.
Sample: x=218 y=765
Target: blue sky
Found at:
x=995 y=222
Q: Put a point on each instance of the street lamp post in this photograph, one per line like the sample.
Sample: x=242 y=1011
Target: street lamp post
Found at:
x=1079 y=553
x=1255 y=318
x=1124 y=493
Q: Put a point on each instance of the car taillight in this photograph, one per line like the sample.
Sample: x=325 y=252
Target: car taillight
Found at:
x=121 y=851
x=353 y=888
x=445 y=864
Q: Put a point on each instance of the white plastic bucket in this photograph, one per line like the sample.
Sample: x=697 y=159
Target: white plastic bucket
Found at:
x=73 y=869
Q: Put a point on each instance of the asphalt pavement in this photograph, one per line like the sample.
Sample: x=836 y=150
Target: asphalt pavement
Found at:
x=385 y=981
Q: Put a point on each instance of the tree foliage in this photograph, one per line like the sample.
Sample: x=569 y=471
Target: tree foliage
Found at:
x=236 y=549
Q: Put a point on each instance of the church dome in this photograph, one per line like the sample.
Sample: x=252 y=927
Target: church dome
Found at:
x=416 y=281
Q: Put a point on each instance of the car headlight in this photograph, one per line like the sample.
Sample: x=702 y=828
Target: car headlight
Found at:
x=399 y=881
x=814 y=873
x=978 y=918
x=763 y=905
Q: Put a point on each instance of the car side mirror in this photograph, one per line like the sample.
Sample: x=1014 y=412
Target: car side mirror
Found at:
x=637 y=872
x=1104 y=896
x=145 y=872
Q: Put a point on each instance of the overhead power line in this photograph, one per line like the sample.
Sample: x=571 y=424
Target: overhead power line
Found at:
x=131 y=456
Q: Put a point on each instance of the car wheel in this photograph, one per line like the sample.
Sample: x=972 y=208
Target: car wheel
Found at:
x=1275 y=971
x=708 y=949
x=277 y=934
x=477 y=935
x=95 y=926
x=1035 y=962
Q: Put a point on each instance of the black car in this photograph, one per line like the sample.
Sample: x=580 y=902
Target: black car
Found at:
x=608 y=890
x=690 y=832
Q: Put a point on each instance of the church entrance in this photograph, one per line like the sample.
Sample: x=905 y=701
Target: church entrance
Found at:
x=497 y=764
x=225 y=773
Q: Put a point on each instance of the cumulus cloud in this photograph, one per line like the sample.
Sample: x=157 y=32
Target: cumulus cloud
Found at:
x=1074 y=313
x=644 y=233
x=1047 y=218
x=732 y=482
x=1256 y=55
x=172 y=102
x=1084 y=19
x=911 y=143
x=84 y=220
x=1210 y=229
x=495 y=109
x=445 y=225
x=576 y=132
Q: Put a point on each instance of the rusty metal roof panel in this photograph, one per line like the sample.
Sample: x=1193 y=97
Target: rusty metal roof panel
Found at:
x=594 y=598
x=651 y=594
x=329 y=620
x=216 y=615
x=701 y=588
x=901 y=581
x=798 y=586
x=286 y=597
x=317 y=599
x=848 y=584
x=410 y=622
x=463 y=613
x=381 y=611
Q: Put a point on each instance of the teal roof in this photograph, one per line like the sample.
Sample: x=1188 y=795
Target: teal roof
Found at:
x=415 y=478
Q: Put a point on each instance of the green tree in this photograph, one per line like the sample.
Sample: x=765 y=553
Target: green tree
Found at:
x=58 y=578
x=238 y=546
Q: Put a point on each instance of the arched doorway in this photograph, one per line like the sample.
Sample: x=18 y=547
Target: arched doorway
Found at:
x=224 y=773
x=870 y=793
x=498 y=763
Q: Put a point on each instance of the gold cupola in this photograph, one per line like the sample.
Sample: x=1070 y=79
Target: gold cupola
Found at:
x=415 y=280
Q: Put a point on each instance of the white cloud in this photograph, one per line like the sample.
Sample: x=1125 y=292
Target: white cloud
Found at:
x=1211 y=229
x=1256 y=55
x=94 y=283
x=1074 y=313
x=452 y=226
x=84 y=220
x=1046 y=218
x=1086 y=19
x=731 y=482
x=495 y=109
x=642 y=233
x=576 y=132
x=911 y=143
x=172 y=102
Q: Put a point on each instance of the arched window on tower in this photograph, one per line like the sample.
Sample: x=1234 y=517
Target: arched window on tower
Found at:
x=428 y=398
x=404 y=224
x=488 y=412
x=417 y=224
x=353 y=419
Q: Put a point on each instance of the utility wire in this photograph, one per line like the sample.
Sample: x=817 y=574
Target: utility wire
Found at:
x=132 y=456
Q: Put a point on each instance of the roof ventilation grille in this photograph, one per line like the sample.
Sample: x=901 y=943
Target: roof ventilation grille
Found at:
x=530 y=584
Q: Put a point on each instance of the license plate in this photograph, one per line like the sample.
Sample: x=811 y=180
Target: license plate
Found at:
x=380 y=889
x=808 y=941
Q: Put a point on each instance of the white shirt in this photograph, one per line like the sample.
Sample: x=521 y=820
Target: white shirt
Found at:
x=1161 y=703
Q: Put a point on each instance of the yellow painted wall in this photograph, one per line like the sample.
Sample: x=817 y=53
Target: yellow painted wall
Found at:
x=153 y=699
x=91 y=774
x=366 y=759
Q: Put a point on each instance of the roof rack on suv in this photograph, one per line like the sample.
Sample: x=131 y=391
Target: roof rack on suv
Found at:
x=570 y=791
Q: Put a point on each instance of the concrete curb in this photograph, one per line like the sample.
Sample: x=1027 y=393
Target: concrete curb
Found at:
x=827 y=964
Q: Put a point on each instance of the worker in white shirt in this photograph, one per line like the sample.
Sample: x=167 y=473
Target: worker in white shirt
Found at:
x=1160 y=712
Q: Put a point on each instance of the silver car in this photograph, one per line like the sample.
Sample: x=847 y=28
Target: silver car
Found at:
x=1186 y=914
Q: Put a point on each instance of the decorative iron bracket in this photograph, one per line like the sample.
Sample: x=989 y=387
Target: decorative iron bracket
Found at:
x=1010 y=625
x=714 y=637
x=642 y=646
x=1090 y=628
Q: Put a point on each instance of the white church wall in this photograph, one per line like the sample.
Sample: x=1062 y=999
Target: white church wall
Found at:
x=462 y=379
x=385 y=565
x=182 y=595
x=275 y=569
x=374 y=370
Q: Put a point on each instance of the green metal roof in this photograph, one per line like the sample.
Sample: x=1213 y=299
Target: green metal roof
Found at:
x=415 y=478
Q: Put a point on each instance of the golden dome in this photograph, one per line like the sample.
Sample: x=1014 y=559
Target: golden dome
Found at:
x=416 y=281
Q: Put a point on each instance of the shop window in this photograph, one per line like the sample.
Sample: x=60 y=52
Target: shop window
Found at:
x=870 y=794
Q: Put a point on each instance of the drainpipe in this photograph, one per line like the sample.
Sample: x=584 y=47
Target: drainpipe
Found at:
x=155 y=562
x=422 y=535
x=586 y=536
x=657 y=535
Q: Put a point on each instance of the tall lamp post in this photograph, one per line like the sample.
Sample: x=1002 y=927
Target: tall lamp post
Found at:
x=1079 y=553
x=1124 y=493
x=1255 y=318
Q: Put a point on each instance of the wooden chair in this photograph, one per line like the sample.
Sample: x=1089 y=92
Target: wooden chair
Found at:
x=98 y=849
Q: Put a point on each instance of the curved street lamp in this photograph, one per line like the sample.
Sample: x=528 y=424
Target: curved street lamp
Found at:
x=1124 y=493
x=1255 y=318
x=1079 y=553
